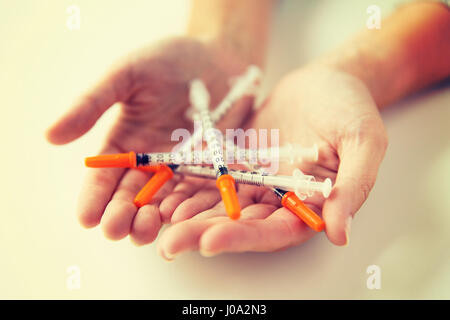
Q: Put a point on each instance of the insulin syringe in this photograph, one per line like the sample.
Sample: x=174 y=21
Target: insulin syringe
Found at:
x=289 y=199
x=293 y=203
x=291 y=153
x=303 y=185
x=199 y=98
x=242 y=86
x=288 y=153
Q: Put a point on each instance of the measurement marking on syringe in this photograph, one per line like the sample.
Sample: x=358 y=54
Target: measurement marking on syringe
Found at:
x=199 y=98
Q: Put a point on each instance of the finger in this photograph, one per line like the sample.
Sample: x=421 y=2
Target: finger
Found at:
x=316 y=200
x=165 y=191
x=266 y=196
x=198 y=206
x=202 y=200
x=257 y=211
x=183 y=236
x=248 y=197
x=86 y=111
x=96 y=192
x=356 y=176
x=120 y=211
x=328 y=158
x=218 y=210
x=146 y=225
x=280 y=230
x=183 y=190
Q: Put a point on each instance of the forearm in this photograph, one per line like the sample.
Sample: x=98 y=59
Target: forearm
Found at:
x=239 y=25
x=409 y=52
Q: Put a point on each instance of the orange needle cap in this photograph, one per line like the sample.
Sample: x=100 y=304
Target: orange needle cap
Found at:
x=295 y=205
x=150 y=168
x=119 y=160
x=146 y=194
x=225 y=184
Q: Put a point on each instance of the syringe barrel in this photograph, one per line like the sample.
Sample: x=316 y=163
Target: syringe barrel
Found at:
x=279 y=181
x=199 y=97
x=311 y=185
x=296 y=153
x=215 y=148
x=240 y=88
x=246 y=177
x=150 y=159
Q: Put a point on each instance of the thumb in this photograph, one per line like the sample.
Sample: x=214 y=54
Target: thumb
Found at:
x=359 y=163
x=89 y=107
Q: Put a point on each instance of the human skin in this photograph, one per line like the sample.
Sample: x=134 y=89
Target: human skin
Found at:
x=333 y=101
x=151 y=86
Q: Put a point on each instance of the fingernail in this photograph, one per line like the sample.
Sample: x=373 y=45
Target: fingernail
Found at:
x=167 y=256
x=208 y=254
x=348 y=227
x=136 y=244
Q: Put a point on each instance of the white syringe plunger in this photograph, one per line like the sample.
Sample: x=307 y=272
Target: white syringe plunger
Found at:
x=241 y=86
x=297 y=153
x=303 y=185
x=245 y=84
x=199 y=98
x=306 y=185
x=198 y=94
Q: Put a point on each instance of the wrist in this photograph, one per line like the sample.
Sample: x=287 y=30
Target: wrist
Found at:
x=386 y=76
x=408 y=53
x=243 y=50
x=236 y=26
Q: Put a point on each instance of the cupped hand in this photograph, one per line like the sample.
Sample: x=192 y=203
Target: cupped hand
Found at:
x=313 y=105
x=152 y=88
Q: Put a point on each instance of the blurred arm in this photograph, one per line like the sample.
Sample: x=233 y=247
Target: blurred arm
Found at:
x=409 y=52
x=239 y=25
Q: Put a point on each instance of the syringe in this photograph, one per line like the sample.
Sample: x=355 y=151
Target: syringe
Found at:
x=199 y=98
x=295 y=153
x=131 y=159
x=290 y=201
x=292 y=153
x=242 y=86
x=303 y=185
x=294 y=204
x=162 y=174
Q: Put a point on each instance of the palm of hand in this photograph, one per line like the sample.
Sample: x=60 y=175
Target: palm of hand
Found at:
x=152 y=87
x=313 y=106
x=319 y=105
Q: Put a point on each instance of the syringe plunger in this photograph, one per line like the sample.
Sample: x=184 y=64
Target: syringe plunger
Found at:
x=307 y=185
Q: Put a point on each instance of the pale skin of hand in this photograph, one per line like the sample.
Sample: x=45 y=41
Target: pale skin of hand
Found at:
x=332 y=103
x=317 y=104
x=344 y=123
x=152 y=87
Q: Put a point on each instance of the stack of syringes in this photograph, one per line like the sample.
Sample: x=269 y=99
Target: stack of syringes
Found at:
x=290 y=189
